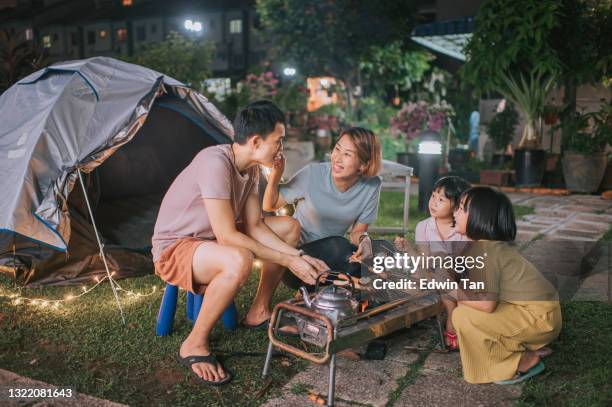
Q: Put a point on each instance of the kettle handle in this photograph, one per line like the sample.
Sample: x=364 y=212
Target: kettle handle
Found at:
x=337 y=274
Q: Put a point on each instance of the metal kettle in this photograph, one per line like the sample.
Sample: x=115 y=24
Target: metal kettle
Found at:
x=333 y=301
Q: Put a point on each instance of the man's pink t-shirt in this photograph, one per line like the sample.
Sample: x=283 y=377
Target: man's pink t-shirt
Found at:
x=212 y=174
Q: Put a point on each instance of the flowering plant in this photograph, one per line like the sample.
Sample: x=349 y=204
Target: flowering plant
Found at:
x=415 y=117
x=263 y=86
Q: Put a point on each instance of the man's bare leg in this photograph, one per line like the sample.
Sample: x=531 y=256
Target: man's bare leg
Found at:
x=224 y=269
x=288 y=229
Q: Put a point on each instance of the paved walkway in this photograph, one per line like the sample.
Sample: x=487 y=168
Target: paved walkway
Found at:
x=559 y=237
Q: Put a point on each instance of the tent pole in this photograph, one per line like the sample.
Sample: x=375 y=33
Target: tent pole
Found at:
x=93 y=222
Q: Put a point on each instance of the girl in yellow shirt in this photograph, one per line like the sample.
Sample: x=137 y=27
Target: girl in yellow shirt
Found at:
x=503 y=330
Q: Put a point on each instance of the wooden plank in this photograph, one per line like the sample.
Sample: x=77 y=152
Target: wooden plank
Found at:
x=381 y=325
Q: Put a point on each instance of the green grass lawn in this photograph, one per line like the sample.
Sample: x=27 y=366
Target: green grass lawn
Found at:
x=579 y=372
x=84 y=344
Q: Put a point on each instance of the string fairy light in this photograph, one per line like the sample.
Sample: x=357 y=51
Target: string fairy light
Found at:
x=17 y=299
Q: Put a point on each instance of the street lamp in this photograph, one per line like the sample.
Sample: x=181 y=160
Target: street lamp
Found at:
x=430 y=150
x=289 y=71
x=194 y=26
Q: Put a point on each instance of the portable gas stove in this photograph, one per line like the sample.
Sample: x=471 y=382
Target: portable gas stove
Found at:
x=330 y=320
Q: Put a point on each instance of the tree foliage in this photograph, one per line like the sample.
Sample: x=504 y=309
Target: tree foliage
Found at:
x=18 y=58
x=186 y=60
x=394 y=65
x=511 y=37
x=333 y=37
x=569 y=39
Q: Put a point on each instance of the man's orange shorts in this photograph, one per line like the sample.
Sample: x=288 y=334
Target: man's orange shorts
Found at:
x=175 y=264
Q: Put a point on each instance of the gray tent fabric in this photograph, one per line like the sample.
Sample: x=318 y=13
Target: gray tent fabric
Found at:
x=76 y=115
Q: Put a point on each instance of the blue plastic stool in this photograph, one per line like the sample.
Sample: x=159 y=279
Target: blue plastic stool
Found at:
x=167 y=311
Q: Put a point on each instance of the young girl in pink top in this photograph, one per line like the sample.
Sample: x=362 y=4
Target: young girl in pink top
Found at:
x=438 y=232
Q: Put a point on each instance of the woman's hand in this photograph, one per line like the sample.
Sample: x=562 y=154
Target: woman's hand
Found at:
x=364 y=251
x=271 y=199
x=278 y=165
x=401 y=244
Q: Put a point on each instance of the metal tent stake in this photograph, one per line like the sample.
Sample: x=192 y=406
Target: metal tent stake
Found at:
x=93 y=222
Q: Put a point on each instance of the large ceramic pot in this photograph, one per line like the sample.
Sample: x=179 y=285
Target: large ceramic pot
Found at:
x=458 y=158
x=583 y=173
x=529 y=165
x=606 y=183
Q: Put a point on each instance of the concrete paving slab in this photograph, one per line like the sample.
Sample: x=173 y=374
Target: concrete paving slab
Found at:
x=578 y=208
x=594 y=218
x=365 y=381
x=438 y=389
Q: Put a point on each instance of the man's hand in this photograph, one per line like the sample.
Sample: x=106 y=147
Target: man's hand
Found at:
x=303 y=269
x=319 y=265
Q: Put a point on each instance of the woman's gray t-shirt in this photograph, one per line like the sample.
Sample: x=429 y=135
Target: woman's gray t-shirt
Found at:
x=324 y=211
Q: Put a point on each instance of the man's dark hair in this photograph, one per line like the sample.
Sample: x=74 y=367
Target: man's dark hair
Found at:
x=490 y=215
x=259 y=117
x=453 y=187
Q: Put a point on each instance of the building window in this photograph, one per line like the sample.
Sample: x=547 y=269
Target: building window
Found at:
x=237 y=60
x=122 y=34
x=153 y=28
x=29 y=34
x=46 y=40
x=103 y=34
x=141 y=33
x=235 y=26
x=91 y=37
x=74 y=41
x=127 y=3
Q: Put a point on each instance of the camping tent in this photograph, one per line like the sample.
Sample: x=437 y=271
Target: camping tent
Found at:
x=128 y=130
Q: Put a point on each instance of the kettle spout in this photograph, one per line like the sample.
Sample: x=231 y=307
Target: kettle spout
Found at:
x=306 y=297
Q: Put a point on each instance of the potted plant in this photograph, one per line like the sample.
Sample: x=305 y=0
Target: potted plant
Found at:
x=414 y=118
x=529 y=94
x=585 y=137
x=501 y=131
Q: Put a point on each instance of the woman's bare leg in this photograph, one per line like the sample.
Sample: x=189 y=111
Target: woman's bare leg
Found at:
x=288 y=229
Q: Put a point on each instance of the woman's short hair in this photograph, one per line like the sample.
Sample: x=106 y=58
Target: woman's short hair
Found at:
x=490 y=215
x=453 y=187
x=368 y=148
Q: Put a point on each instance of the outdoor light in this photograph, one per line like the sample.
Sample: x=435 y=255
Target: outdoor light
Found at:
x=430 y=150
x=289 y=71
x=430 y=147
x=191 y=25
x=324 y=82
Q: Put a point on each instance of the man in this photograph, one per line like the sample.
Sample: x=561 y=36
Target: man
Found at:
x=210 y=227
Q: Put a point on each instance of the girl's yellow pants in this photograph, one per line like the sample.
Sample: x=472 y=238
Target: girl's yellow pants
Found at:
x=491 y=344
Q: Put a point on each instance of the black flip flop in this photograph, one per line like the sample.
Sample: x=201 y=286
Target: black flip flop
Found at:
x=211 y=359
x=263 y=325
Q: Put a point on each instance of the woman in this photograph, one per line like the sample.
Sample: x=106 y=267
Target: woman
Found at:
x=504 y=328
x=333 y=198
